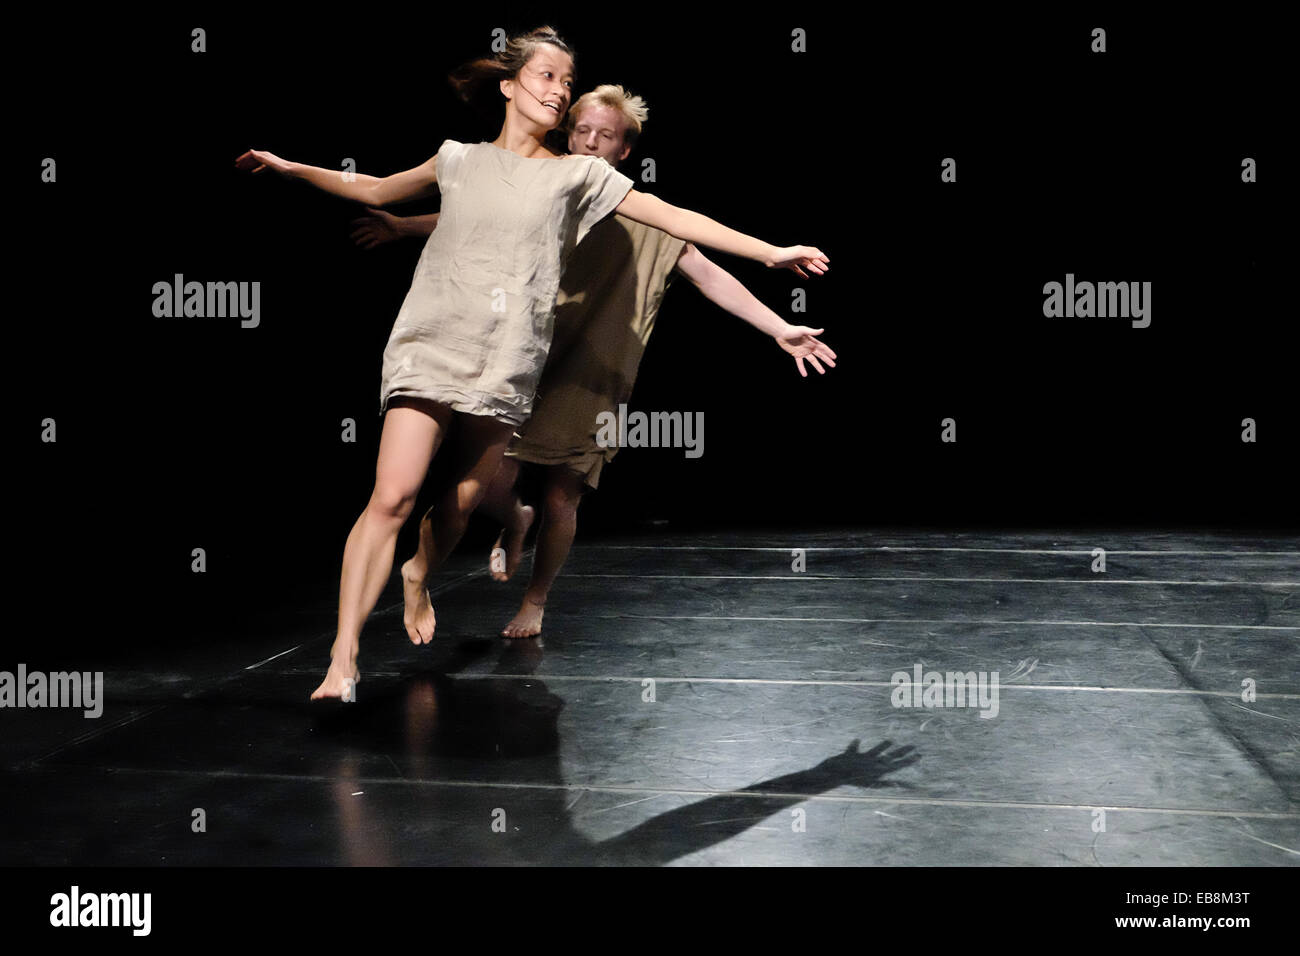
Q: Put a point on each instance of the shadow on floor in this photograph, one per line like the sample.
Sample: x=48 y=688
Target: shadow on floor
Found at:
x=480 y=719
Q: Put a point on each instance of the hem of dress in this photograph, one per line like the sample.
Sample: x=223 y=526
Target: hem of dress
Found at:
x=459 y=402
x=592 y=462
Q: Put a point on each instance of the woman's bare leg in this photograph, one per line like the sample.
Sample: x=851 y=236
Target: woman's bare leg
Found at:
x=564 y=488
x=500 y=497
x=502 y=504
x=480 y=449
x=409 y=441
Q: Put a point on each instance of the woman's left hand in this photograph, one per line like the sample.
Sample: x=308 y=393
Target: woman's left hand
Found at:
x=799 y=258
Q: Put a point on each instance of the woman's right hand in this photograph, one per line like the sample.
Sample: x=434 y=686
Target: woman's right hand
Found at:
x=258 y=160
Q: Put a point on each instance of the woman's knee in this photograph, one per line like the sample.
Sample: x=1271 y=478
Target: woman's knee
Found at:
x=392 y=500
x=466 y=496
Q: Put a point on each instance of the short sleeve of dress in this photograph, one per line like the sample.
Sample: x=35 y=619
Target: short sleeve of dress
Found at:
x=605 y=188
x=447 y=162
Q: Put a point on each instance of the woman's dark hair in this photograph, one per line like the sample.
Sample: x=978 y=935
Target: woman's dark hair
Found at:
x=469 y=79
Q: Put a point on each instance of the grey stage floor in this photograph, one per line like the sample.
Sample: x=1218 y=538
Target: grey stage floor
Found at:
x=694 y=700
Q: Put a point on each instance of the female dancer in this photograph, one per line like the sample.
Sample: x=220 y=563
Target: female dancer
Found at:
x=473 y=332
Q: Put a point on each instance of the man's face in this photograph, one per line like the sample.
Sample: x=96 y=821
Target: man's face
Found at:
x=599 y=131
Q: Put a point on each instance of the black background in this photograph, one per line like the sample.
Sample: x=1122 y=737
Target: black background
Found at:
x=1123 y=166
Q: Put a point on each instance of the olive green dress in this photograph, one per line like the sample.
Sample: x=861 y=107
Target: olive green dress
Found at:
x=609 y=297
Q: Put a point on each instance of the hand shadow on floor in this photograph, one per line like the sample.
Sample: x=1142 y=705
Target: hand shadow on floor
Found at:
x=499 y=731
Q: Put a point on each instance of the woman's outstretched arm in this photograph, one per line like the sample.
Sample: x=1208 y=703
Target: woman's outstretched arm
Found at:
x=693 y=227
x=414 y=183
x=721 y=287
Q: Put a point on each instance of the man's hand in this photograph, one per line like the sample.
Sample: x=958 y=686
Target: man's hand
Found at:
x=802 y=342
x=375 y=229
x=865 y=768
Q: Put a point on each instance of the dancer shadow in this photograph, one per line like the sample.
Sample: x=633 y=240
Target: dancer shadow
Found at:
x=709 y=822
x=496 y=732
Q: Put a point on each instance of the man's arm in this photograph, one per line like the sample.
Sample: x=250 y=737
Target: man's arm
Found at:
x=721 y=287
x=381 y=227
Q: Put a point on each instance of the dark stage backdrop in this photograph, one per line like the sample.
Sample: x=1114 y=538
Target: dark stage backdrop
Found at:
x=1115 y=166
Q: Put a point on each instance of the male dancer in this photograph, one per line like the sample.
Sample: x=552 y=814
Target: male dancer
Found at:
x=609 y=297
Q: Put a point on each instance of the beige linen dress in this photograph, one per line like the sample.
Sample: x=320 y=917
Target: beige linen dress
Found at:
x=605 y=311
x=476 y=325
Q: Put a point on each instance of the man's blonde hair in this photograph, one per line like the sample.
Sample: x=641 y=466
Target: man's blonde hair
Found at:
x=632 y=107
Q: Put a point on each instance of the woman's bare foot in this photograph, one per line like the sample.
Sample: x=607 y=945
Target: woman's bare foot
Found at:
x=510 y=543
x=418 y=613
x=528 y=622
x=340 y=680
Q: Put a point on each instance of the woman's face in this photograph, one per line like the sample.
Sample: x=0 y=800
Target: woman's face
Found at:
x=543 y=88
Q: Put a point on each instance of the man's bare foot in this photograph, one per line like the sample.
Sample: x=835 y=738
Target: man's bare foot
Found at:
x=340 y=680
x=510 y=543
x=418 y=614
x=528 y=622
